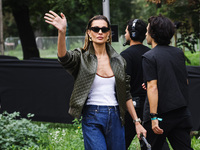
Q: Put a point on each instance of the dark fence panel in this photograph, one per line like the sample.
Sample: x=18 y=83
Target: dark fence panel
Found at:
x=42 y=87
x=194 y=95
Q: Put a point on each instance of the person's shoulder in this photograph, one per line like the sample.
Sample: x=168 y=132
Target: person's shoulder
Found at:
x=168 y=48
x=144 y=46
x=133 y=50
x=148 y=53
x=176 y=48
x=127 y=50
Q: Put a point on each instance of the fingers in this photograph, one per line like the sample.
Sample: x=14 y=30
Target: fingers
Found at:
x=53 y=13
x=138 y=136
x=48 y=19
x=50 y=22
x=158 y=130
x=50 y=16
x=144 y=86
x=140 y=130
x=145 y=133
x=62 y=15
x=155 y=127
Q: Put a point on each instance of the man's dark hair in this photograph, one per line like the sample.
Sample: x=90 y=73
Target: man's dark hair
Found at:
x=140 y=28
x=161 y=29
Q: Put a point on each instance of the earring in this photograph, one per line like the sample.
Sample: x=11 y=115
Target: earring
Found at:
x=90 y=38
x=108 y=40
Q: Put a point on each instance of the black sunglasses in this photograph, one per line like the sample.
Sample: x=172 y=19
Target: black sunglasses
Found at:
x=97 y=29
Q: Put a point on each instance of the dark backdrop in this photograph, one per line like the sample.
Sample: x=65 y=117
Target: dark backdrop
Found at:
x=42 y=87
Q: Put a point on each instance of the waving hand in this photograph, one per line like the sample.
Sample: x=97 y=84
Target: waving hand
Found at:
x=59 y=22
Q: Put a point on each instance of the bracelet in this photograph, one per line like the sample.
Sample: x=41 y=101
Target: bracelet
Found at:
x=152 y=115
x=154 y=118
x=137 y=120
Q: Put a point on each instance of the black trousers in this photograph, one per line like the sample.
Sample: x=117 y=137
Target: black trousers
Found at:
x=130 y=131
x=177 y=126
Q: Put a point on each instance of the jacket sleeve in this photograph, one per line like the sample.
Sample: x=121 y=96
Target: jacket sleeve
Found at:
x=71 y=61
x=127 y=78
x=128 y=87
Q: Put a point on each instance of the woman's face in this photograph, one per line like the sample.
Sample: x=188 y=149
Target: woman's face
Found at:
x=99 y=36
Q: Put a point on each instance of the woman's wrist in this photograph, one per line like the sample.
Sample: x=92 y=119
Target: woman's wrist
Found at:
x=63 y=31
x=138 y=120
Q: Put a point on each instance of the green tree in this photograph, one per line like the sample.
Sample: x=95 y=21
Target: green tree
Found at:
x=186 y=15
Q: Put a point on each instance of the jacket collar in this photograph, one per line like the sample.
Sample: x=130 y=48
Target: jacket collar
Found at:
x=110 y=50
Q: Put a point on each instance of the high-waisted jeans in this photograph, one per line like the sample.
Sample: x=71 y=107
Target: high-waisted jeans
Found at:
x=102 y=128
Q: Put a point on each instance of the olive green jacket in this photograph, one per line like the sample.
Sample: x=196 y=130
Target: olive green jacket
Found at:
x=82 y=65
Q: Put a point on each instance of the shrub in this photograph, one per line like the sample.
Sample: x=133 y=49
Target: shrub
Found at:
x=20 y=133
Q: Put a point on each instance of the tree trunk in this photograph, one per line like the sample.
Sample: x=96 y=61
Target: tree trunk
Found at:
x=1 y=29
x=27 y=37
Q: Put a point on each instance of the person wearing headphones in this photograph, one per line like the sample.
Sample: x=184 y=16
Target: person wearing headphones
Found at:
x=135 y=34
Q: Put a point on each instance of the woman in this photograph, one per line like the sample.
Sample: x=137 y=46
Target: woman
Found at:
x=101 y=88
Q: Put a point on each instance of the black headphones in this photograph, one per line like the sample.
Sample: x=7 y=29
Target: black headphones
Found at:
x=134 y=32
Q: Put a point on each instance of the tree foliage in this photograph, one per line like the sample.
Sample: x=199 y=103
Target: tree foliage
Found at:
x=186 y=16
x=78 y=12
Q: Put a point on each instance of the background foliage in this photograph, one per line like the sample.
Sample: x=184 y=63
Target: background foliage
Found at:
x=21 y=133
x=78 y=12
x=184 y=13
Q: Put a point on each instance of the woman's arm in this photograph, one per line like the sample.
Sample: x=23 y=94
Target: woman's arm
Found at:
x=139 y=128
x=61 y=24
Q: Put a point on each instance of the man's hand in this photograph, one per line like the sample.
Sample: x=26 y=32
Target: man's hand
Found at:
x=155 y=127
x=144 y=86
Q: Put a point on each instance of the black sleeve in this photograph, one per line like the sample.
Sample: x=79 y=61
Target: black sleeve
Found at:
x=149 y=69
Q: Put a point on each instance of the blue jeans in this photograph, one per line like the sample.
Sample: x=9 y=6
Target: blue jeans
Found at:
x=102 y=129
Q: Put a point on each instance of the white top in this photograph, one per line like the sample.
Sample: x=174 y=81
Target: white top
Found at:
x=102 y=91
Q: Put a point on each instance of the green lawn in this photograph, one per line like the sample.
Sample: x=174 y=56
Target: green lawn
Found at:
x=69 y=137
x=193 y=57
x=52 y=53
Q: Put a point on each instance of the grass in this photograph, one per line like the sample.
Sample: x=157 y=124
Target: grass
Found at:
x=193 y=57
x=51 y=52
x=23 y=134
x=69 y=137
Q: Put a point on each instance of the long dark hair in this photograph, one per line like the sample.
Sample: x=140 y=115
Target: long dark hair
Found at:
x=97 y=17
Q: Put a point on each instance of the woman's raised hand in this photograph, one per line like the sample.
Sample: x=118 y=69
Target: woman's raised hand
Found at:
x=59 y=22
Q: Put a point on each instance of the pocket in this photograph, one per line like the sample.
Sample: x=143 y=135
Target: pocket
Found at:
x=89 y=114
x=136 y=102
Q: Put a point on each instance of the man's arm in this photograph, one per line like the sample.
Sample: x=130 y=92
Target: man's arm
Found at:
x=152 y=93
